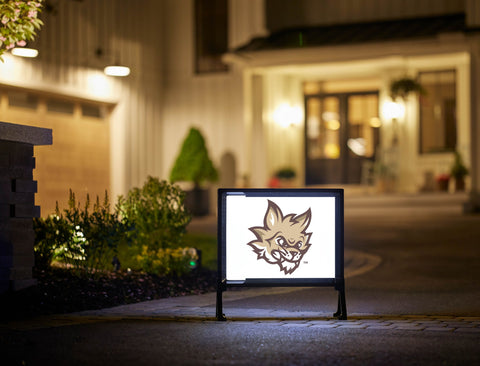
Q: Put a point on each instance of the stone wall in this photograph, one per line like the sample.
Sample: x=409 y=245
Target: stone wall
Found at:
x=17 y=203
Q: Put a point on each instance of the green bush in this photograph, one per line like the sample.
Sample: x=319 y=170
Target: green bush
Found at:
x=167 y=261
x=85 y=241
x=51 y=233
x=193 y=163
x=150 y=221
x=158 y=214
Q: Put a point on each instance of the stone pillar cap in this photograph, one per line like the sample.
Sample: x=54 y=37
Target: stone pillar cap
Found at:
x=25 y=134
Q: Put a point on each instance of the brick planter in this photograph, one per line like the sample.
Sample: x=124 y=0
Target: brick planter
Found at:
x=17 y=203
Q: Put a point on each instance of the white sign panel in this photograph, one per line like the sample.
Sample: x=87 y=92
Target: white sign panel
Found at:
x=280 y=237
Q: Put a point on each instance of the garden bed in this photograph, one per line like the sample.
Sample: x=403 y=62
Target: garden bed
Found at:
x=60 y=291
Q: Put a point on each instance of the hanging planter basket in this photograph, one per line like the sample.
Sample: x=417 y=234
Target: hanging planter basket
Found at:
x=404 y=86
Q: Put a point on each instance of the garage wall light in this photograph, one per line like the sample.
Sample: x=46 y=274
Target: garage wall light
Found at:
x=24 y=52
x=117 y=70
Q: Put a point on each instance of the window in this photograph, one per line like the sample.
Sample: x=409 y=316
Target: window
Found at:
x=93 y=110
x=60 y=106
x=438 y=125
x=211 y=35
x=22 y=99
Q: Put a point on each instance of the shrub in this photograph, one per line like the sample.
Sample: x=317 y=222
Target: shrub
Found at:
x=158 y=214
x=167 y=261
x=86 y=241
x=50 y=234
x=152 y=218
x=193 y=163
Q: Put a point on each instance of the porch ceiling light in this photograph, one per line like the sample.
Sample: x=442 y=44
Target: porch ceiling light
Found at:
x=24 y=52
x=117 y=70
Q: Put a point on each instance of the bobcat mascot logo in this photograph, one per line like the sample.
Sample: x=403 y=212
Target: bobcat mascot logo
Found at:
x=282 y=240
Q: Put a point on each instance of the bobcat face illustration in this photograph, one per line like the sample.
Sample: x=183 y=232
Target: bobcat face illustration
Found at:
x=282 y=240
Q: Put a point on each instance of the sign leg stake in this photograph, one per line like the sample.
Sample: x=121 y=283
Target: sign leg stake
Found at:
x=221 y=286
x=341 y=313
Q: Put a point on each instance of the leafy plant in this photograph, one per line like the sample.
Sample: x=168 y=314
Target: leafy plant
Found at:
x=285 y=173
x=193 y=163
x=19 y=21
x=51 y=233
x=85 y=241
x=152 y=218
x=458 y=169
x=404 y=86
x=167 y=261
x=158 y=214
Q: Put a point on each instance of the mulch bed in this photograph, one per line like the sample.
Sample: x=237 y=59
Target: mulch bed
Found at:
x=59 y=291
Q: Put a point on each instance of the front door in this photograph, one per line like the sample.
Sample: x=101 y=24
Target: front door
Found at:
x=341 y=134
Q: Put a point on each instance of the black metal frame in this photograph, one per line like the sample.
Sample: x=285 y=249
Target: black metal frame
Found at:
x=338 y=282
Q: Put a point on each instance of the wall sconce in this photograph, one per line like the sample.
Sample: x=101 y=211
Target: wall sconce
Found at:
x=24 y=52
x=116 y=70
x=286 y=115
x=393 y=110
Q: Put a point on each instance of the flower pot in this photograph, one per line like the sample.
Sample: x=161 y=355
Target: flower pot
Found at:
x=197 y=201
x=459 y=184
x=442 y=185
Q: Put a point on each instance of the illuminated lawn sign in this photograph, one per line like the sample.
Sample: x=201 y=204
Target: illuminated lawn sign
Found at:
x=280 y=237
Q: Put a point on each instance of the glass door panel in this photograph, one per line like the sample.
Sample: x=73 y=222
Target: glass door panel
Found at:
x=323 y=140
x=362 y=117
x=323 y=128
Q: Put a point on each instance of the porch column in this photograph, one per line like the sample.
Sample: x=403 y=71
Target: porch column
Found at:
x=473 y=204
x=257 y=156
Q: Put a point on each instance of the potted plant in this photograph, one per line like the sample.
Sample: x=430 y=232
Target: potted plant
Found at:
x=442 y=181
x=458 y=171
x=403 y=87
x=384 y=178
x=283 y=178
x=194 y=165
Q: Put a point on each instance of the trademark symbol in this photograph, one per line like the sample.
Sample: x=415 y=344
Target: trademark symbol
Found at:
x=305 y=262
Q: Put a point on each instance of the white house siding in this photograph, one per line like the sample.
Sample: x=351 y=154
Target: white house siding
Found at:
x=472 y=9
x=211 y=102
x=246 y=21
x=474 y=202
